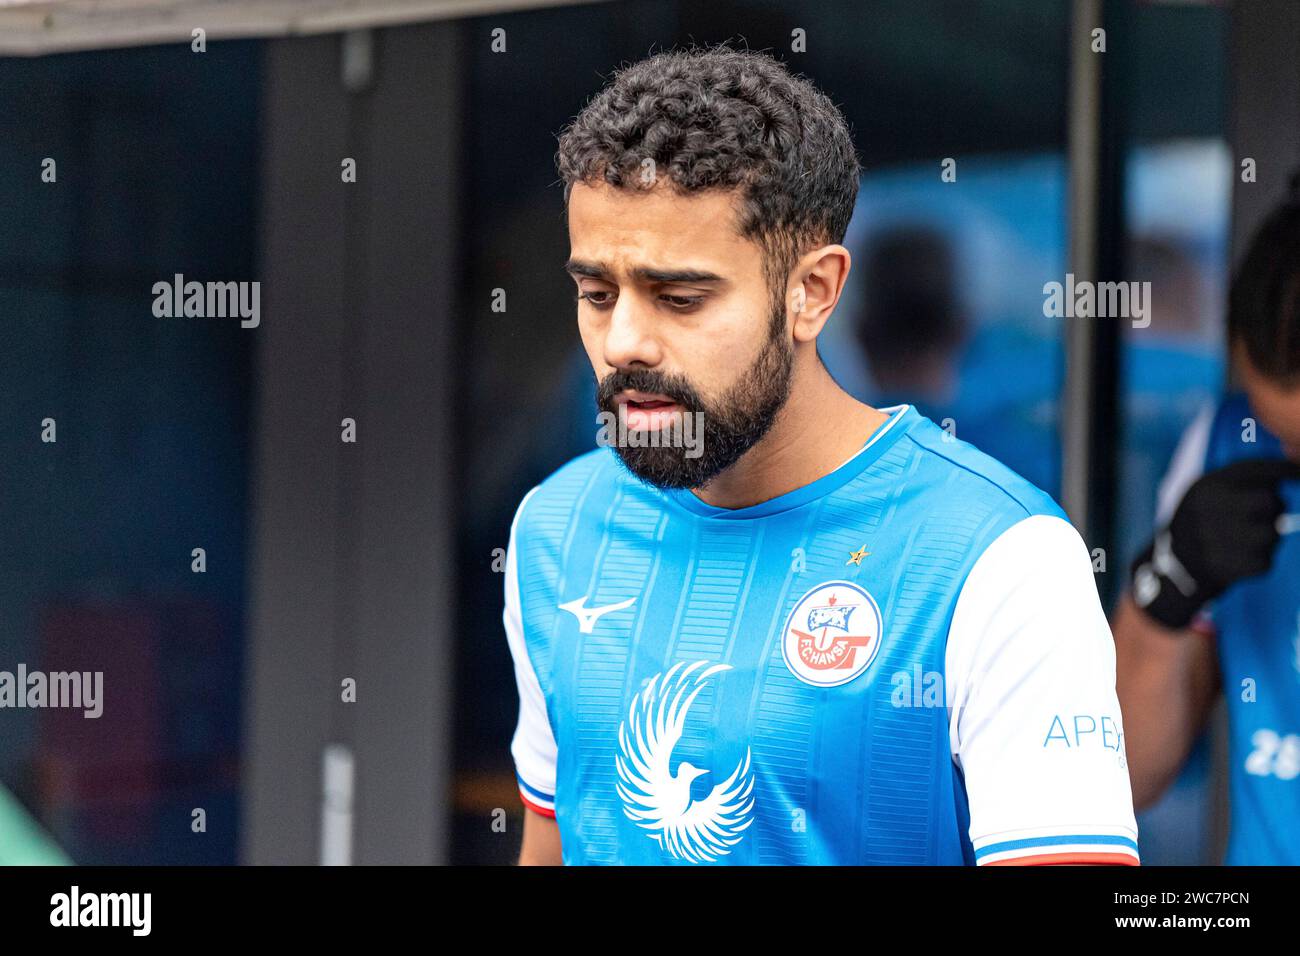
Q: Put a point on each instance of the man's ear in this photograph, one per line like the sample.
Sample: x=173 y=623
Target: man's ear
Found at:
x=817 y=283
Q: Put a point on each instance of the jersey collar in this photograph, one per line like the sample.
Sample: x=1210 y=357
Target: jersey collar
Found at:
x=901 y=418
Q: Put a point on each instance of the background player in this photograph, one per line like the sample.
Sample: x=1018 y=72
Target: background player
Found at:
x=1214 y=603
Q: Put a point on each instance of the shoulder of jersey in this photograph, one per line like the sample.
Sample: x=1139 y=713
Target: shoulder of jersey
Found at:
x=558 y=494
x=1232 y=408
x=979 y=474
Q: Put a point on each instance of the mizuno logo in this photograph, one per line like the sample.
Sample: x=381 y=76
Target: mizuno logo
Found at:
x=588 y=616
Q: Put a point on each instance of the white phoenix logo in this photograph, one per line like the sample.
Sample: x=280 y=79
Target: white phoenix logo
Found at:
x=696 y=830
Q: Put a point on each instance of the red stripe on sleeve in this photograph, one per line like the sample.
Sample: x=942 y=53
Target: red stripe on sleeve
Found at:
x=534 y=807
x=1043 y=859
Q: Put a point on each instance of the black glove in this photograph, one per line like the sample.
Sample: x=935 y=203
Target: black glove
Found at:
x=1224 y=530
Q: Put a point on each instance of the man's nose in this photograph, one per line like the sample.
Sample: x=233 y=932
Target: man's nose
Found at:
x=631 y=336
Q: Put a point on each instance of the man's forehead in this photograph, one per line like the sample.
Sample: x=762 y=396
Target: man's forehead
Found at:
x=660 y=222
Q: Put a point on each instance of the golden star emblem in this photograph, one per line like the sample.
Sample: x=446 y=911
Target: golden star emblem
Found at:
x=855 y=557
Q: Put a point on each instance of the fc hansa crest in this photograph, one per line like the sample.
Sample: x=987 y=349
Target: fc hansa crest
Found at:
x=832 y=635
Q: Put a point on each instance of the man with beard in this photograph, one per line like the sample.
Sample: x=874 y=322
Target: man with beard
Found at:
x=831 y=635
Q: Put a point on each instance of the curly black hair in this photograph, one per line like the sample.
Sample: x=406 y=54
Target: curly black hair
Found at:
x=720 y=118
x=1264 y=302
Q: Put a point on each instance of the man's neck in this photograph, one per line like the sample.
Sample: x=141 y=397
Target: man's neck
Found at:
x=817 y=430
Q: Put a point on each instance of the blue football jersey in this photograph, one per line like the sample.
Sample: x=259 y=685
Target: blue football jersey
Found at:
x=1257 y=628
x=903 y=662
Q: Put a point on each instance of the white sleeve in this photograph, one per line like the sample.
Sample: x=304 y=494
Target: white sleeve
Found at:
x=1185 y=467
x=1035 y=725
x=533 y=746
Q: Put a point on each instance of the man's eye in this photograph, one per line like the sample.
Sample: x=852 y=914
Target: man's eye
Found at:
x=603 y=300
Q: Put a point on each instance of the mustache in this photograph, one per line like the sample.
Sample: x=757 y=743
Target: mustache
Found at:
x=646 y=380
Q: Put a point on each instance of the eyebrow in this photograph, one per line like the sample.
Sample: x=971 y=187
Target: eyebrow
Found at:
x=599 y=270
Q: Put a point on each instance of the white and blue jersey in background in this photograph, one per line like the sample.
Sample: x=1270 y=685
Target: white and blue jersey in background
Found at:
x=903 y=662
x=1256 y=628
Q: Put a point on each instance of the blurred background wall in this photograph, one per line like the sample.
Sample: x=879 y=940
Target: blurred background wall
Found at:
x=375 y=561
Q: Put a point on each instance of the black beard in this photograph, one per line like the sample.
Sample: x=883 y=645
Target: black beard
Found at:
x=732 y=425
